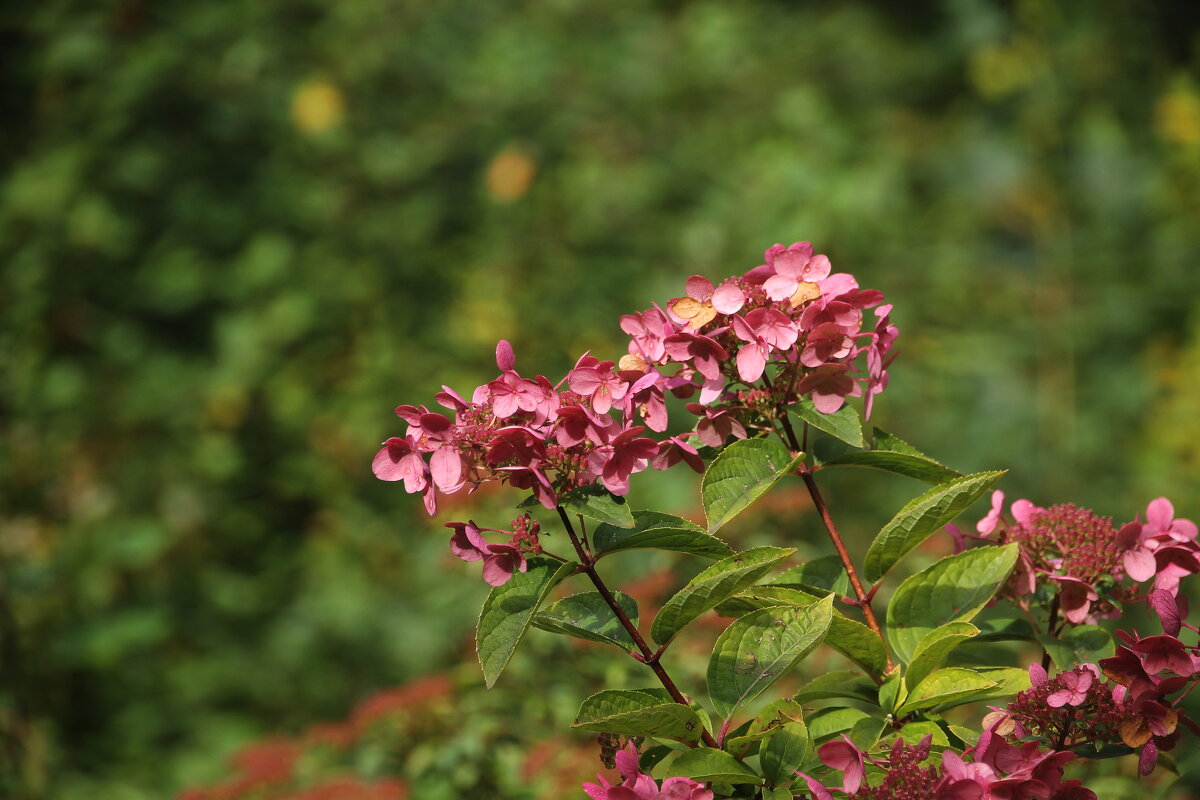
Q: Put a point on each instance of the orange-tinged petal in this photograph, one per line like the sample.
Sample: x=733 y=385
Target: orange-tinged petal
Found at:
x=804 y=292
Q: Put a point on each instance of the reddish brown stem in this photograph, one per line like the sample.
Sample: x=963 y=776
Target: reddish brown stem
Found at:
x=648 y=656
x=859 y=592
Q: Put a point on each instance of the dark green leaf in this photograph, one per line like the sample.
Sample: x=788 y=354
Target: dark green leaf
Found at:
x=588 y=616
x=739 y=475
x=829 y=722
x=1005 y=630
x=1084 y=643
x=825 y=574
x=638 y=713
x=707 y=765
x=952 y=589
x=892 y=454
x=842 y=683
x=786 y=749
x=661 y=532
x=922 y=517
x=508 y=610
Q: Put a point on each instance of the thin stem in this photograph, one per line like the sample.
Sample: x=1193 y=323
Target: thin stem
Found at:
x=648 y=656
x=1050 y=631
x=863 y=598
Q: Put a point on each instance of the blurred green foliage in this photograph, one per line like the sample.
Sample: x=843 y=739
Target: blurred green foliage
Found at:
x=234 y=234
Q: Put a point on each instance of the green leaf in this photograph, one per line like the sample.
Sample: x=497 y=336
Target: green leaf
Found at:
x=771 y=716
x=508 y=610
x=945 y=686
x=757 y=597
x=638 y=713
x=866 y=732
x=842 y=683
x=824 y=575
x=892 y=454
x=858 y=643
x=595 y=502
x=1009 y=629
x=712 y=586
x=952 y=589
x=757 y=649
x=588 y=616
x=660 y=532
x=787 y=748
x=707 y=765
x=914 y=732
x=921 y=517
x=1083 y=643
x=931 y=651
x=829 y=722
x=777 y=794
x=739 y=475
x=850 y=638
x=892 y=693
x=1008 y=680
x=843 y=424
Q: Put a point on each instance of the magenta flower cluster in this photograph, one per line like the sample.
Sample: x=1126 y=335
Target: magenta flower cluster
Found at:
x=998 y=770
x=1087 y=559
x=637 y=785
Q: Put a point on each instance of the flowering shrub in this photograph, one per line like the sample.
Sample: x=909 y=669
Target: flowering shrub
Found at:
x=769 y=360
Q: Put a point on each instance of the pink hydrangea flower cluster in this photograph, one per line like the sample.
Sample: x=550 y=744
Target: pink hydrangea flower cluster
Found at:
x=637 y=785
x=1147 y=670
x=500 y=561
x=998 y=771
x=530 y=433
x=792 y=312
x=1086 y=558
x=1074 y=707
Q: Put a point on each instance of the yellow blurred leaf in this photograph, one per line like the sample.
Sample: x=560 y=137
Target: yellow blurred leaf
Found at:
x=317 y=106
x=510 y=174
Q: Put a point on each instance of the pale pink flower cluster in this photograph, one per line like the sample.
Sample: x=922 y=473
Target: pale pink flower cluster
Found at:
x=791 y=313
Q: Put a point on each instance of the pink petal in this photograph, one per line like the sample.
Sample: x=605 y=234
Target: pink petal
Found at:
x=504 y=355
x=780 y=287
x=791 y=262
x=817 y=269
x=1139 y=565
x=497 y=570
x=699 y=288
x=627 y=761
x=1037 y=674
x=751 y=361
x=827 y=403
x=728 y=299
x=1159 y=513
x=1022 y=510
x=447 y=468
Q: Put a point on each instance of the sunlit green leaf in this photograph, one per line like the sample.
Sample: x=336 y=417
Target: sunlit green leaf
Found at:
x=508 y=610
x=739 y=475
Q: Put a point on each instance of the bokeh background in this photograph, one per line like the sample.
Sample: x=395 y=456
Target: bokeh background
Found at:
x=234 y=234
